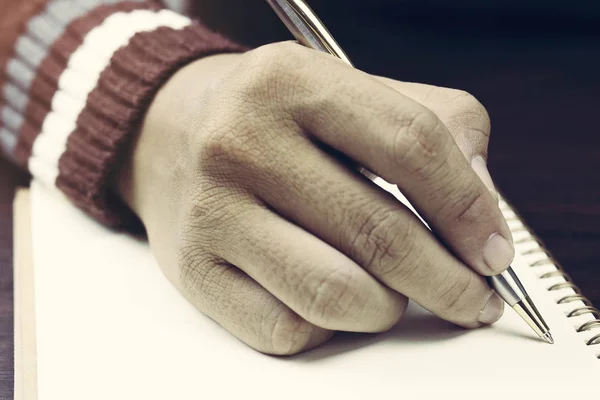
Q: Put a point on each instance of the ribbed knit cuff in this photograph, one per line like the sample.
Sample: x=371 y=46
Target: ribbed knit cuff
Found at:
x=80 y=84
x=115 y=109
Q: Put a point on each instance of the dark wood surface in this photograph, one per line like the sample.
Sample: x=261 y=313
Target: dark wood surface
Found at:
x=10 y=177
x=541 y=84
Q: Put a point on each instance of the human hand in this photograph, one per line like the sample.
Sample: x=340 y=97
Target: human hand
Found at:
x=241 y=175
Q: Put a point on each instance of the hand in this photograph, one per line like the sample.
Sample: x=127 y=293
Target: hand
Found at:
x=241 y=175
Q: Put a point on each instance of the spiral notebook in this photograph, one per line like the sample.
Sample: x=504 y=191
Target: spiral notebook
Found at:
x=110 y=326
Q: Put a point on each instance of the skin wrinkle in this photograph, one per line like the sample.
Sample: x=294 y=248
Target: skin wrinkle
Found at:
x=288 y=278
x=428 y=94
x=456 y=208
x=224 y=243
x=439 y=190
x=314 y=103
x=210 y=282
x=451 y=179
x=470 y=210
x=459 y=129
x=282 y=171
x=397 y=249
x=475 y=131
x=192 y=261
x=409 y=140
x=459 y=207
x=239 y=147
x=409 y=272
x=361 y=231
x=455 y=291
x=378 y=243
x=266 y=320
x=230 y=143
x=461 y=100
x=201 y=202
x=303 y=288
x=474 y=140
x=274 y=167
x=295 y=338
x=333 y=290
x=246 y=324
x=261 y=246
x=263 y=71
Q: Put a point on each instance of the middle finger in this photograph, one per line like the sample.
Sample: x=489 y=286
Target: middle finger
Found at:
x=370 y=226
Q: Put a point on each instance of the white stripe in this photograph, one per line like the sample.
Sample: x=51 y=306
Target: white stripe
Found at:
x=81 y=77
x=8 y=141
x=11 y=118
x=20 y=73
x=15 y=97
x=30 y=51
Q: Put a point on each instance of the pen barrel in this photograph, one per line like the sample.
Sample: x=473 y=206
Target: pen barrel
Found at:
x=296 y=25
x=508 y=286
x=307 y=28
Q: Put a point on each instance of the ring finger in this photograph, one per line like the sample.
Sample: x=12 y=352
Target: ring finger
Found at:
x=315 y=280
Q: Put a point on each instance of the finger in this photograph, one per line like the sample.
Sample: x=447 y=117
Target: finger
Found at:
x=312 y=278
x=464 y=116
x=245 y=309
x=377 y=232
x=407 y=145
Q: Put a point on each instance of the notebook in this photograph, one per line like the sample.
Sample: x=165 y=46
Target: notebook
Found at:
x=110 y=326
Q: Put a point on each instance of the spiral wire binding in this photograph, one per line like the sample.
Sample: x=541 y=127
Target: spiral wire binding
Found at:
x=568 y=283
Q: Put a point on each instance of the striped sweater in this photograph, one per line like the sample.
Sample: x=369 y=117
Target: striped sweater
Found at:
x=76 y=79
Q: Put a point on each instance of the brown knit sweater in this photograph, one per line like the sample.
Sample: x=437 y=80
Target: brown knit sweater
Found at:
x=76 y=79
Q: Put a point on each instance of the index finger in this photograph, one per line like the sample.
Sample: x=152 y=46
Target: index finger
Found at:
x=407 y=145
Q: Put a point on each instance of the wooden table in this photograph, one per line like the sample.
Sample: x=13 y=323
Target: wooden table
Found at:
x=542 y=91
x=10 y=177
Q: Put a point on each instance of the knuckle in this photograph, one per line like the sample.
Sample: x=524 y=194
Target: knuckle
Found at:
x=397 y=306
x=199 y=273
x=214 y=147
x=267 y=72
x=248 y=119
x=470 y=206
x=213 y=220
x=287 y=333
x=382 y=243
x=469 y=112
x=206 y=211
x=457 y=299
x=332 y=298
x=420 y=145
x=236 y=144
x=227 y=143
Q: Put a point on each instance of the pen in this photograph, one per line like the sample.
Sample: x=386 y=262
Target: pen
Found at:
x=308 y=29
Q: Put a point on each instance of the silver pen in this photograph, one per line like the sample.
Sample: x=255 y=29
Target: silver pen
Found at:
x=308 y=29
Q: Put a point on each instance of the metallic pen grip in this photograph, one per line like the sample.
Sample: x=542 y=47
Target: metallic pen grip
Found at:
x=508 y=286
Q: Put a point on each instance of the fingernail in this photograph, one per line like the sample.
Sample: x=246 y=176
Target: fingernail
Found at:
x=498 y=253
x=479 y=166
x=492 y=311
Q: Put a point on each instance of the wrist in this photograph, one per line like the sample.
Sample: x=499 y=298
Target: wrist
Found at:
x=155 y=170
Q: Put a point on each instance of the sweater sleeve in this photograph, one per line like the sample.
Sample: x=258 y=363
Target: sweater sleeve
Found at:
x=77 y=77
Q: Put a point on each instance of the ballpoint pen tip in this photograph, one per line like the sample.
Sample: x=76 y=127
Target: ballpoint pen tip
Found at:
x=548 y=338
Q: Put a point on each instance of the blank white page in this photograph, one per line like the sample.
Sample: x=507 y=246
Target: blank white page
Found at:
x=110 y=326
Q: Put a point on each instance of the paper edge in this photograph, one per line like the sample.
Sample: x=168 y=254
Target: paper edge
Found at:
x=25 y=347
